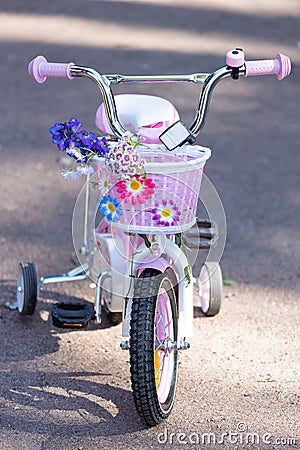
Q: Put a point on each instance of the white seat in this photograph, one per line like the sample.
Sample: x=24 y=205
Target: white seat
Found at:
x=145 y=114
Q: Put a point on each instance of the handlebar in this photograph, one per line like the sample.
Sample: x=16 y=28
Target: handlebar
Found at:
x=39 y=69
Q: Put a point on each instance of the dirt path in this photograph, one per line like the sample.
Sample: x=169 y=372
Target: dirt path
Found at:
x=64 y=390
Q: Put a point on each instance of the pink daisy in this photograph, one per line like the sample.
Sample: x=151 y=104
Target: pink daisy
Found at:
x=135 y=190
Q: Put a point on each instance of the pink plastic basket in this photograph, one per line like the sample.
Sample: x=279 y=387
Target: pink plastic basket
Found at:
x=172 y=207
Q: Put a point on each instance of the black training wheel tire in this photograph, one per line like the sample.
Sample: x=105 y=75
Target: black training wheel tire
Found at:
x=210 y=288
x=153 y=370
x=26 y=289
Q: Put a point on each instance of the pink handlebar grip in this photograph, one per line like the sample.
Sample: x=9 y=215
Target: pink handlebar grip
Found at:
x=280 y=66
x=39 y=69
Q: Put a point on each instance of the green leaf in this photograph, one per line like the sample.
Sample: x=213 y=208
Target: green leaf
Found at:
x=146 y=240
x=178 y=239
x=228 y=282
x=187 y=274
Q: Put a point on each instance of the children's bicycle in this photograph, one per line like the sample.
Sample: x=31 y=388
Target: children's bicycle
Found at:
x=147 y=175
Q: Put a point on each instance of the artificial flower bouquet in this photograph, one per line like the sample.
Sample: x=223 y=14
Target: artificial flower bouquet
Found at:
x=125 y=164
x=80 y=145
x=141 y=186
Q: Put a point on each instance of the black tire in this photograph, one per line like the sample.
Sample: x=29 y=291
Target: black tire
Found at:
x=147 y=380
x=26 y=289
x=212 y=305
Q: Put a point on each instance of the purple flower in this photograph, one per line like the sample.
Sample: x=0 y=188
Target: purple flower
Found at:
x=88 y=139
x=100 y=146
x=124 y=158
x=166 y=213
x=58 y=135
x=68 y=135
x=74 y=125
x=57 y=130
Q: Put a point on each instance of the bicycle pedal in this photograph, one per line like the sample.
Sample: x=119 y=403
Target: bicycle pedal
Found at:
x=204 y=234
x=71 y=315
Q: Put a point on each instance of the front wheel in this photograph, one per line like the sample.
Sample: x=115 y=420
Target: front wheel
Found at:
x=153 y=346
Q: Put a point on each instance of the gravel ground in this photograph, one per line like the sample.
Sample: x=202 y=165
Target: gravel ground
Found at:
x=64 y=389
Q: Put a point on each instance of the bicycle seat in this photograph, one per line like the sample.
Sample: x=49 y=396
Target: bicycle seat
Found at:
x=144 y=114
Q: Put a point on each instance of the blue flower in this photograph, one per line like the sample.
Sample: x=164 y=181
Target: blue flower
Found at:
x=79 y=144
x=71 y=174
x=100 y=146
x=58 y=135
x=85 y=139
x=57 y=129
x=110 y=208
x=86 y=170
x=74 y=125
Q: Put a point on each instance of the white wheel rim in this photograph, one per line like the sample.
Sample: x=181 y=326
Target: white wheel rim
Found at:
x=164 y=329
x=20 y=291
x=204 y=289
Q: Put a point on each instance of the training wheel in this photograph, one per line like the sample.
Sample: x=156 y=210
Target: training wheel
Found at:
x=210 y=284
x=26 y=289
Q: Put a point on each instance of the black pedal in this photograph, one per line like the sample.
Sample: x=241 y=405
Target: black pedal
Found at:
x=204 y=234
x=71 y=315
